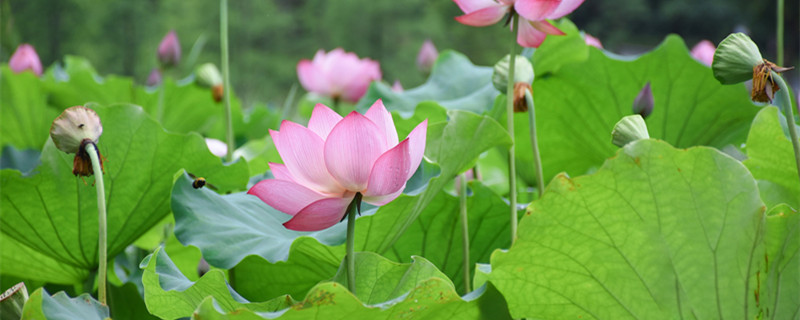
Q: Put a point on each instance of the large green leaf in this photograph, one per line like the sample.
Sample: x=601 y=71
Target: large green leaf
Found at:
x=386 y=290
x=24 y=110
x=577 y=107
x=455 y=83
x=770 y=158
x=170 y=295
x=41 y=305
x=55 y=214
x=779 y=298
x=656 y=233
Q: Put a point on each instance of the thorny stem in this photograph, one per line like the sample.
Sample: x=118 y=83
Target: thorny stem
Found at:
x=462 y=196
x=102 y=246
x=226 y=79
x=786 y=105
x=537 y=159
x=354 y=207
x=512 y=169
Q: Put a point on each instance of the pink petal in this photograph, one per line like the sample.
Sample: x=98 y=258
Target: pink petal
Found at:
x=217 y=147
x=546 y=27
x=384 y=199
x=592 y=41
x=280 y=172
x=319 y=215
x=535 y=10
x=532 y=33
x=309 y=77
x=322 y=120
x=351 y=149
x=416 y=146
x=383 y=119
x=703 y=51
x=25 y=58
x=363 y=73
x=390 y=171
x=302 y=152
x=469 y=6
x=285 y=196
x=566 y=7
x=484 y=17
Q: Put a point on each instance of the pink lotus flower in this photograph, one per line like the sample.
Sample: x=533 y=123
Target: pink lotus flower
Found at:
x=703 y=51
x=427 y=56
x=397 y=86
x=592 y=41
x=25 y=58
x=326 y=164
x=533 y=26
x=169 y=50
x=338 y=74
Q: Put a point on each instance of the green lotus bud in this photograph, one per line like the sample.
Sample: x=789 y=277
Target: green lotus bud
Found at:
x=208 y=75
x=629 y=129
x=12 y=300
x=735 y=58
x=523 y=72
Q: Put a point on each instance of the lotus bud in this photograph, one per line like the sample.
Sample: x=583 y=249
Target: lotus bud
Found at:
x=629 y=129
x=12 y=301
x=154 y=78
x=25 y=58
x=72 y=131
x=703 y=51
x=397 y=86
x=523 y=77
x=735 y=58
x=209 y=76
x=643 y=104
x=169 y=50
x=592 y=41
x=427 y=56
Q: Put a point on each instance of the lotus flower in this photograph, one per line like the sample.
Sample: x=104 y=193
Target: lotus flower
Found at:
x=703 y=51
x=397 y=86
x=427 y=56
x=338 y=74
x=169 y=50
x=592 y=41
x=25 y=58
x=533 y=26
x=333 y=159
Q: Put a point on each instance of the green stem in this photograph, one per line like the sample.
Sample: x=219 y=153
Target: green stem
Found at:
x=336 y=101
x=289 y=103
x=226 y=79
x=160 y=105
x=537 y=159
x=512 y=169
x=102 y=247
x=462 y=196
x=350 y=249
x=789 y=114
x=779 y=33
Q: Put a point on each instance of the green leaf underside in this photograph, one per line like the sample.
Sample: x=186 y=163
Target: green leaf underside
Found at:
x=656 y=233
x=141 y=160
x=41 y=305
x=781 y=285
x=771 y=159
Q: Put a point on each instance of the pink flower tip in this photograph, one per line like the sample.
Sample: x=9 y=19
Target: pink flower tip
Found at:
x=169 y=50
x=703 y=51
x=25 y=58
x=592 y=41
x=338 y=74
x=327 y=163
x=397 y=86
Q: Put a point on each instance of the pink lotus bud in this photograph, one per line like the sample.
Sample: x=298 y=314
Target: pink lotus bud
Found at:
x=169 y=50
x=427 y=56
x=154 y=78
x=25 y=58
x=592 y=41
x=703 y=51
x=397 y=87
x=335 y=160
x=644 y=102
x=338 y=74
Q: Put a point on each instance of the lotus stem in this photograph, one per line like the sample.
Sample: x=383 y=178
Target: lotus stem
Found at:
x=512 y=169
x=226 y=79
x=462 y=197
x=779 y=31
x=788 y=111
x=102 y=246
x=350 y=258
x=537 y=159
x=160 y=103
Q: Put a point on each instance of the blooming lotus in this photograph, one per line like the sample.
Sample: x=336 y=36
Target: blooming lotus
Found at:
x=169 y=50
x=25 y=58
x=533 y=26
x=333 y=159
x=338 y=74
x=703 y=51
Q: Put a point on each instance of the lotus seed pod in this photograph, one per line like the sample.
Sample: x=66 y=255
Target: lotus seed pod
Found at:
x=208 y=75
x=12 y=301
x=523 y=72
x=629 y=129
x=73 y=126
x=735 y=58
x=644 y=102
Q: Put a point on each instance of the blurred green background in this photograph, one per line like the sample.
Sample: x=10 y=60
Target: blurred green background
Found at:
x=269 y=37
